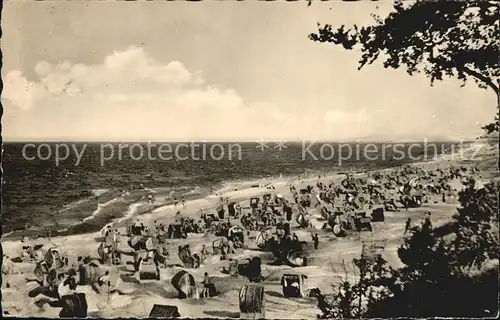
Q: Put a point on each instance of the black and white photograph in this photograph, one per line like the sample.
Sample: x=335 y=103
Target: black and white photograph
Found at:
x=250 y=159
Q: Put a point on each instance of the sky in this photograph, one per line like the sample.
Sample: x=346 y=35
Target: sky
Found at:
x=237 y=71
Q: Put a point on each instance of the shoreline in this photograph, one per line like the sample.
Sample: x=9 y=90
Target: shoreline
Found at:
x=232 y=188
x=245 y=188
x=227 y=188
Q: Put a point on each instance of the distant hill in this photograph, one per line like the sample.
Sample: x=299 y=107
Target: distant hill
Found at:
x=403 y=138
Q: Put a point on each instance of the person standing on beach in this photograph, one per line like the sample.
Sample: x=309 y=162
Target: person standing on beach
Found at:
x=288 y=212
x=407 y=226
x=175 y=202
x=318 y=200
x=206 y=285
x=237 y=208
x=183 y=202
x=197 y=260
x=405 y=200
x=7 y=271
x=204 y=253
x=427 y=222
x=316 y=241
x=223 y=253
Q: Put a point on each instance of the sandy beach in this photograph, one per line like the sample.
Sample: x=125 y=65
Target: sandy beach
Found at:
x=138 y=298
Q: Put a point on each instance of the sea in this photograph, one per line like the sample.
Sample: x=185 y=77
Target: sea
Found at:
x=39 y=179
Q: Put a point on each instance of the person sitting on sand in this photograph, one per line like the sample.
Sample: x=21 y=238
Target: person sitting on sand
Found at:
x=183 y=234
x=232 y=268
x=161 y=228
x=280 y=232
x=136 y=227
x=187 y=247
x=65 y=261
x=66 y=284
x=103 y=280
x=199 y=227
x=86 y=259
x=79 y=261
x=164 y=252
x=236 y=243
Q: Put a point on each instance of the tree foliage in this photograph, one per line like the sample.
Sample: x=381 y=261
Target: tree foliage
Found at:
x=456 y=39
x=449 y=271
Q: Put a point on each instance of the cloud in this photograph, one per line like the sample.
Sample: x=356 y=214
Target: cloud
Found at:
x=21 y=92
x=130 y=72
x=132 y=96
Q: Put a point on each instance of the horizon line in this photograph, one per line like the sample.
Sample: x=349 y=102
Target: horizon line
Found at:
x=38 y=141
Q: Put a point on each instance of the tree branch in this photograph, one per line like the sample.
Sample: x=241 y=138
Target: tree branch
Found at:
x=479 y=76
